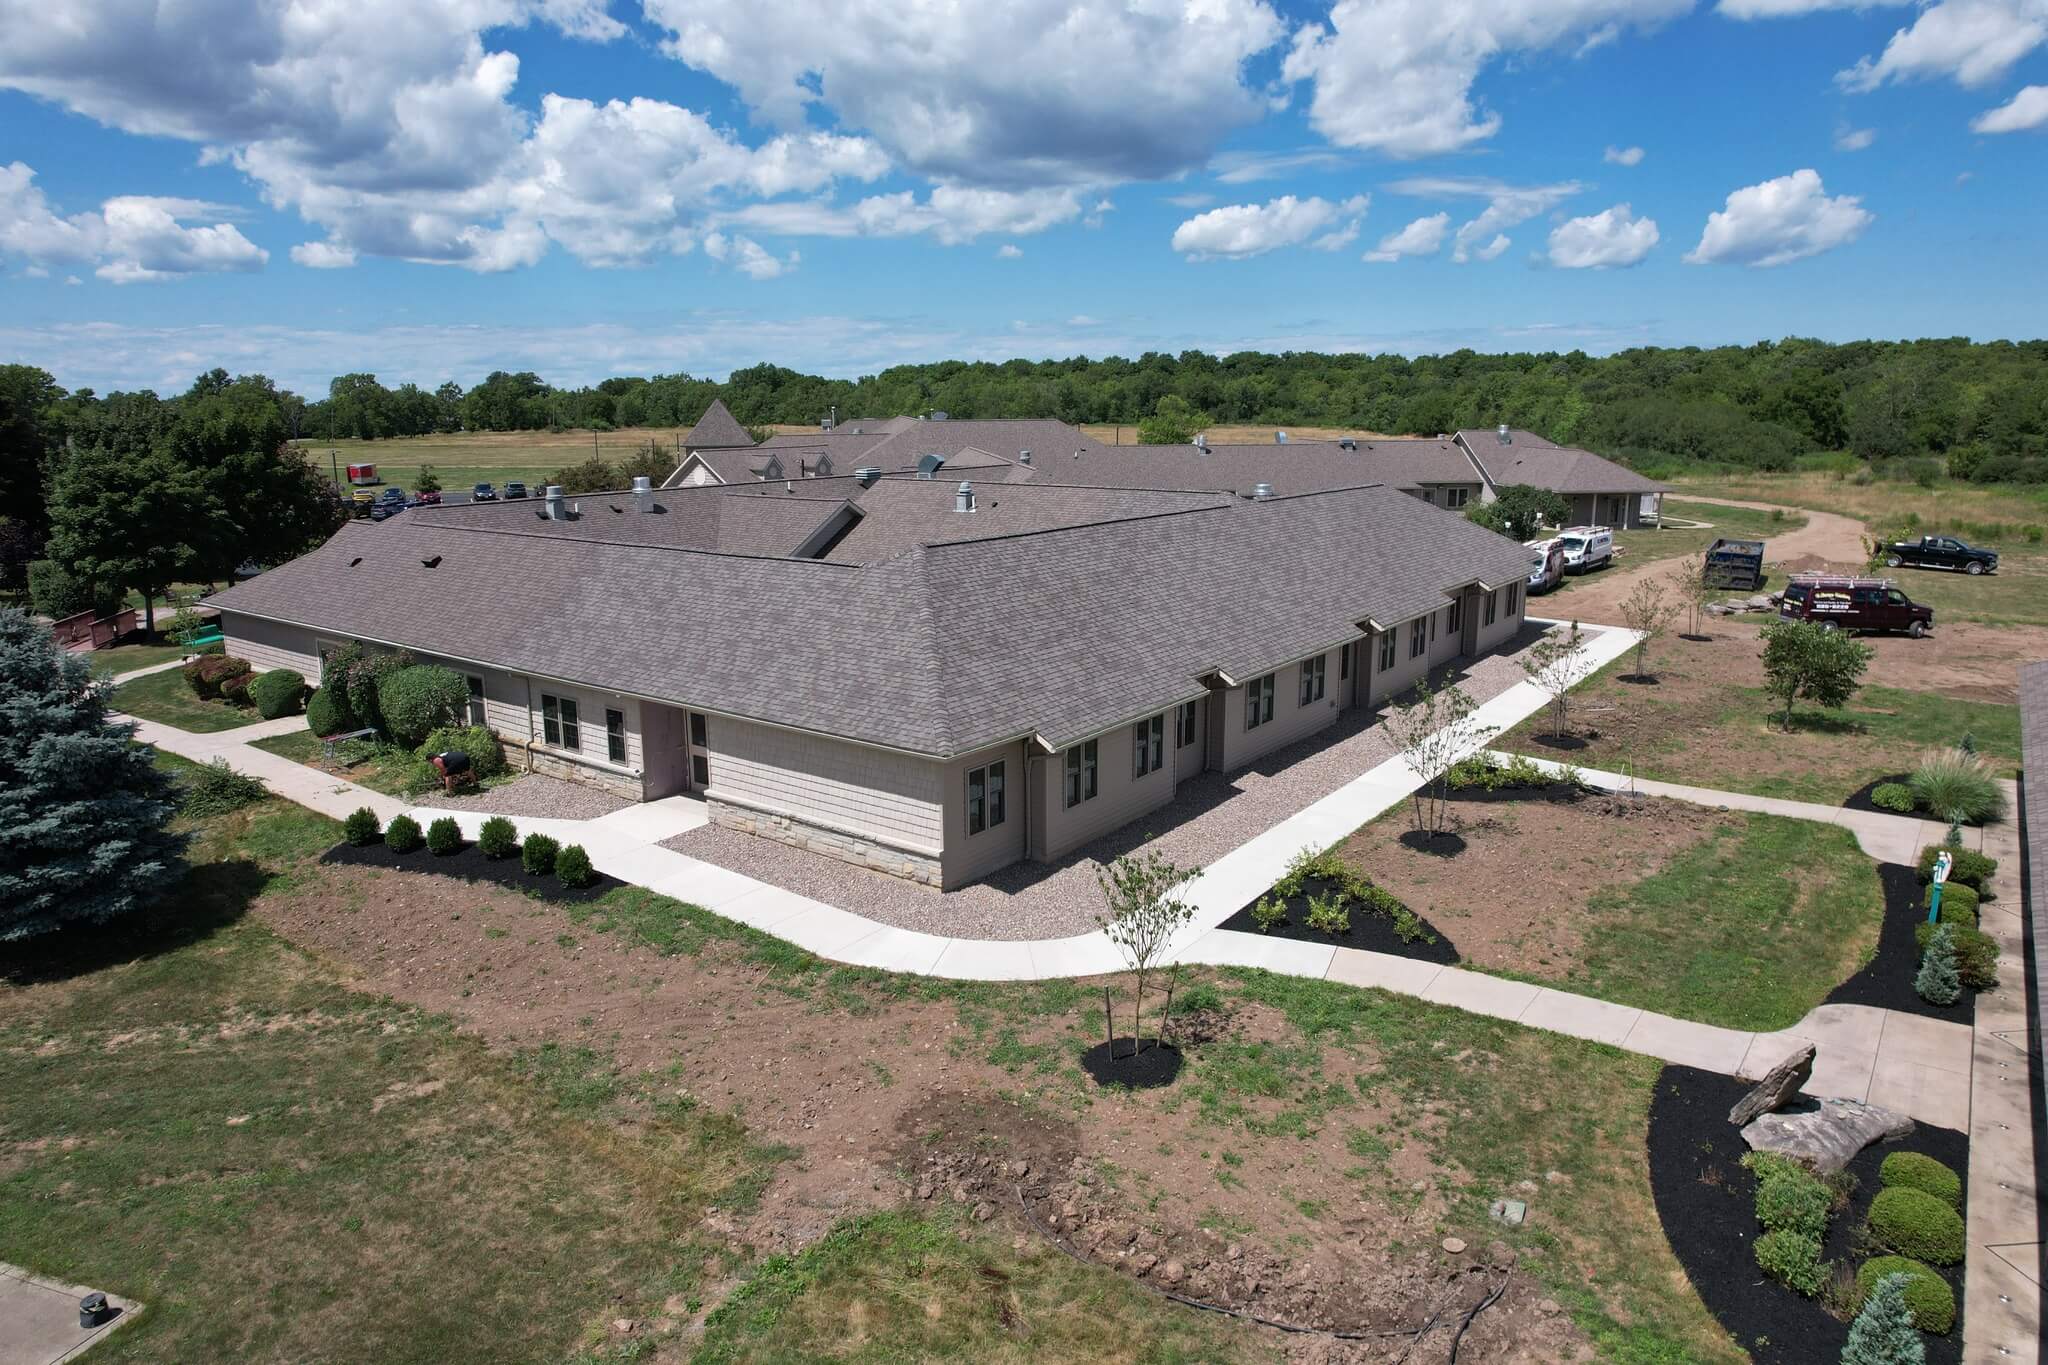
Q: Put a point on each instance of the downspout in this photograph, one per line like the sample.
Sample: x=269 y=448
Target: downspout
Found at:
x=1026 y=794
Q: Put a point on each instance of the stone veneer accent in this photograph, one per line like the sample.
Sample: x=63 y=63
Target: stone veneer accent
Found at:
x=847 y=848
x=623 y=785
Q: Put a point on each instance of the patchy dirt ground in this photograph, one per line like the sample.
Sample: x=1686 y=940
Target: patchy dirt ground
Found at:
x=1515 y=897
x=898 y=1101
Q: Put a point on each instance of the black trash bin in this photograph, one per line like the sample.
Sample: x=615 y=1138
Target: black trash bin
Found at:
x=93 y=1310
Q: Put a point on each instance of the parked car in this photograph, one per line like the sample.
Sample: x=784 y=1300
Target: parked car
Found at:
x=389 y=504
x=515 y=489
x=428 y=497
x=1941 y=552
x=359 y=502
x=1854 y=604
x=1546 y=565
x=483 y=492
x=1586 y=548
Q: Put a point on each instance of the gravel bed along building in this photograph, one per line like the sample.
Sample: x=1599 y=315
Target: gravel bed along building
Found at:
x=534 y=797
x=1211 y=815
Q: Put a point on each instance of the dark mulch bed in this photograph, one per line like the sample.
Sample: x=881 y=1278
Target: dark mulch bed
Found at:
x=1448 y=844
x=1860 y=800
x=470 y=864
x=1706 y=1201
x=1114 y=1063
x=1369 y=930
x=1888 y=981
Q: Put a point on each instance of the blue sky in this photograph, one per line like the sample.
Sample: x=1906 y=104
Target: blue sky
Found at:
x=432 y=189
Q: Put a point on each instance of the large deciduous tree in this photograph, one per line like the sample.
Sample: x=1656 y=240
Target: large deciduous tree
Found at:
x=1520 y=511
x=84 y=808
x=135 y=521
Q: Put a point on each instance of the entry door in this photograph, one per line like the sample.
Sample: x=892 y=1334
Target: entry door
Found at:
x=697 y=752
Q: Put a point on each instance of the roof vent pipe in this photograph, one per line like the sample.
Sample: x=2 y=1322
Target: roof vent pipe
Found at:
x=1202 y=442
x=1261 y=491
x=643 y=493
x=963 y=497
x=866 y=475
x=1279 y=438
x=553 y=496
x=1502 y=432
x=1023 y=457
x=1347 y=444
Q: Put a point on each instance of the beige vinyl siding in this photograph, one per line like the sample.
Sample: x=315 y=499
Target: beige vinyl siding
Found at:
x=1445 y=643
x=971 y=856
x=1405 y=673
x=590 y=736
x=894 y=798
x=1121 y=796
x=1291 y=721
x=270 y=644
x=1505 y=622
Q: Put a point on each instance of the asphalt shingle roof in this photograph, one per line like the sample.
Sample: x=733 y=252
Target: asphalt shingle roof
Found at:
x=717 y=429
x=1296 y=467
x=1527 y=458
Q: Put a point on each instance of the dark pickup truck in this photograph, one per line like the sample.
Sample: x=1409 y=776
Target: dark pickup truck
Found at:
x=1941 y=552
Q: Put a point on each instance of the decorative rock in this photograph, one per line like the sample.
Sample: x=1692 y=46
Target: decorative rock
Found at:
x=925 y=1191
x=1826 y=1134
x=1509 y=1211
x=1777 y=1088
x=1172 y=1272
x=1455 y=1245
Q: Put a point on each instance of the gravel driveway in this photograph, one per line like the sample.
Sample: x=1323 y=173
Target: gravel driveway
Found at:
x=1211 y=815
x=534 y=797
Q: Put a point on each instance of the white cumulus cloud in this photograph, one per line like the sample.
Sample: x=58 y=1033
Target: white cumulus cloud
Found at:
x=951 y=214
x=1009 y=251
x=1622 y=156
x=748 y=256
x=2027 y=109
x=1779 y=221
x=1787 y=9
x=1423 y=237
x=1973 y=42
x=1237 y=231
x=324 y=255
x=1602 y=241
x=1506 y=206
x=1849 y=139
x=130 y=238
x=1398 y=76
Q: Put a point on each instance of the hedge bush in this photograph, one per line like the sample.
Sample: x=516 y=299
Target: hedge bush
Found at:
x=1792 y=1200
x=537 y=854
x=416 y=701
x=58 y=593
x=1915 y=1223
x=208 y=673
x=1956 y=897
x=327 y=713
x=498 y=838
x=234 y=689
x=572 y=866
x=1928 y=1297
x=362 y=826
x=444 y=835
x=1892 y=796
x=486 y=755
x=402 y=835
x=1970 y=868
x=1918 y=1171
x=277 y=693
x=355 y=671
x=1793 y=1260
x=1976 y=953
x=217 y=789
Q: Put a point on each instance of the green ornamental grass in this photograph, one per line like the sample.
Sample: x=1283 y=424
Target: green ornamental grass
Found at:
x=1956 y=786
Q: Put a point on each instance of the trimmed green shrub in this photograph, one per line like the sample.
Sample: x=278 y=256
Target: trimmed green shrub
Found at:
x=362 y=826
x=1915 y=1223
x=1883 y=1332
x=1918 y=1171
x=234 y=689
x=402 y=835
x=1269 y=914
x=1938 y=982
x=486 y=754
x=1957 y=897
x=1793 y=1260
x=277 y=692
x=1976 y=953
x=206 y=674
x=1329 y=914
x=1953 y=785
x=537 y=854
x=414 y=702
x=572 y=866
x=498 y=838
x=217 y=789
x=327 y=713
x=355 y=671
x=1970 y=868
x=1892 y=796
x=444 y=836
x=1793 y=1202
x=1928 y=1297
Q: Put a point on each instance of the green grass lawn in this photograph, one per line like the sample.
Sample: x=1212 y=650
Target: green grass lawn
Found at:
x=126 y=658
x=385 y=767
x=168 y=699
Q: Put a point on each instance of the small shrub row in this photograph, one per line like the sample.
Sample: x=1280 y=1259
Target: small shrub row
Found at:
x=1976 y=953
x=1928 y=1296
x=361 y=828
x=217 y=789
x=1488 y=773
x=498 y=838
x=1918 y=1171
x=1896 y=796
x=1915 y=1223
x=403 y=835
x=217 y=676
x=444 y=836
x=1330 y=912
x=1793 y=1205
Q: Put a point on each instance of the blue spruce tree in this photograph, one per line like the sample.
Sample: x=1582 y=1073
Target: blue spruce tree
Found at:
x=1883 y=1333
x=82 y=809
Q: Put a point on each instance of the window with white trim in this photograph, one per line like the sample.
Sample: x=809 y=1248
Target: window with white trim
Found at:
x=1386 y=650
x=1418 y=637
x=1148 y=745
x=1081 y=774
x=1313 y=678
x=1258 y=702
x=985 y=797
x=1492 y=608
x=558 y=723
x=615 y=736
x=1184 y=725
x=1514 y=598
x=476 y=699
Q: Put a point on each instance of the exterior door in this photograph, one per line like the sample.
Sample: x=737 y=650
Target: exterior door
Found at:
x=697 y=752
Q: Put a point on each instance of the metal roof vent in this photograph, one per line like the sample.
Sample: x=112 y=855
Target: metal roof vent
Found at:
x=553 y=501
x=1347 y=443
x=1261 y=491
x=1279 y=438
x=643 y=493
x=928 y=465
x=963 y=497
x=939 y=416
x=1502 y=432
x=866 y=475
x=1023 y=457
x=1202 y=442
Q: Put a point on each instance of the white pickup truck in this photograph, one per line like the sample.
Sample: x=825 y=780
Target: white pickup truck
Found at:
x=1586 y=548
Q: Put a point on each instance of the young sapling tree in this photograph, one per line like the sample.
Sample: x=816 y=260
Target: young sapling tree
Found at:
x=1435 y=730
x=1143 y=915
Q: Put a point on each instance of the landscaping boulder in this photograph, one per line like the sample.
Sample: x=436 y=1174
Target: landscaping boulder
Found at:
x=1778 y=1088
x=1825 y=1134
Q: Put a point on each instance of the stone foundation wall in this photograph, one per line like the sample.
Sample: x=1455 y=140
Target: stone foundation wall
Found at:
x=622 y=785
x=847 y=848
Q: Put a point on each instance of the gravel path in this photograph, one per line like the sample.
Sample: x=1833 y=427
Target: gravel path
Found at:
x=535 y=797
x=1211 y=815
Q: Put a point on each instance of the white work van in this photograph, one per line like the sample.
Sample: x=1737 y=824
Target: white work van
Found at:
x=1546 y=564
x=1586 y=548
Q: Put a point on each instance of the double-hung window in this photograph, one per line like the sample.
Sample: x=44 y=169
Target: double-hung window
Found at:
x=1344 y=662
x=615 y=736
x=1418 y=637
x=1148 y=745
x=1258 y=702
x=558 y=724
x=1313 y=678
x=985 y=798
x=1184 y=725
x=1492 y=609
x=1514 y=598
x=475 y=709
x=1454 y=615
x=1386 y=650
x=1456 y=497
x=1081 y=774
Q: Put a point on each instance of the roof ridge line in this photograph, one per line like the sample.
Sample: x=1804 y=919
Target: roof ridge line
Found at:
x=641 y=545
x=1237 y=500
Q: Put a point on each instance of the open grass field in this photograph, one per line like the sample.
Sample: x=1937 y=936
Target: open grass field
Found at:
x=466 y=457
x=313 y=1113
